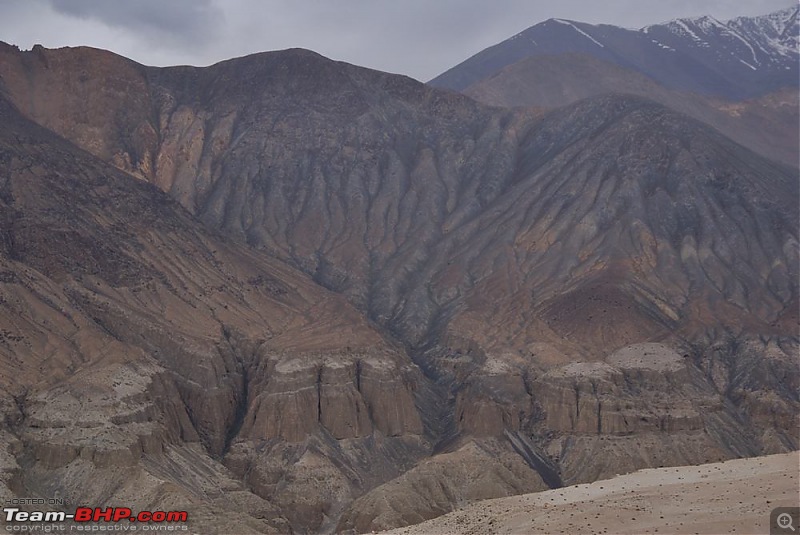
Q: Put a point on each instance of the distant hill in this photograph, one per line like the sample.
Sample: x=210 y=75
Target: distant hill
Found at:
x=766 y=124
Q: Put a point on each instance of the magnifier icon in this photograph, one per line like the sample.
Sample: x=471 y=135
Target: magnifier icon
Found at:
x=785 y=521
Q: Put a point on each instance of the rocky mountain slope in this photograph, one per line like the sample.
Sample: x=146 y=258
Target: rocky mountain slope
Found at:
x=551 y=297
x=737 y=59
x=766 y=124
x=136 y=346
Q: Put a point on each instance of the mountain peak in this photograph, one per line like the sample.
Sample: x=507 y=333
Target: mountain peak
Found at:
x=779 y=17
x=706 y=21
x=786 y=15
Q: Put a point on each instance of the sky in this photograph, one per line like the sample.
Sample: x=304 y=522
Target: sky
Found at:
x=419 y=38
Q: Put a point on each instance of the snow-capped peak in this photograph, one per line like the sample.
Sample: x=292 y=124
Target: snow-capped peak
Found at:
x=749 y=41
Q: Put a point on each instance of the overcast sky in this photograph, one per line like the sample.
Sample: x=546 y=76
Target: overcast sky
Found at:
x=420 y=38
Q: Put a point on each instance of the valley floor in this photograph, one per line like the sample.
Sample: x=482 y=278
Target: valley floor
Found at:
x=728 y=497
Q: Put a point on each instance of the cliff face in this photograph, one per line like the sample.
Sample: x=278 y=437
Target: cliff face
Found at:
x=333 y=292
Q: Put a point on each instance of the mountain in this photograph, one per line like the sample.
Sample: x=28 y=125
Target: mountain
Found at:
x=737 y=59
x=766 y=124
x=450 y=301
x=136 y=345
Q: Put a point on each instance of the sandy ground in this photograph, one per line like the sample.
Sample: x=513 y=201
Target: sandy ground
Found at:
x=729 y=497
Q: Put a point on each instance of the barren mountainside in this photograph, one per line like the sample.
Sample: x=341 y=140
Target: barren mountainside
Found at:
x=135 y=347
x=340 y=299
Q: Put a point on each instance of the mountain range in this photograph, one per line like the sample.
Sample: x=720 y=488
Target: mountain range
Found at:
x=291 y=294
x=699 y=72
x=740 y=58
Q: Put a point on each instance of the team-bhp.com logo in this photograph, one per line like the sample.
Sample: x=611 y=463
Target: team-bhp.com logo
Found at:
x=118 y=514
x=94 y=514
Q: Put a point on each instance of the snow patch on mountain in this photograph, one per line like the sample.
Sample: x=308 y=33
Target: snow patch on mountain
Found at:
x=568 y=23
x=751 y=41
x=662 y=45
x=681 y=26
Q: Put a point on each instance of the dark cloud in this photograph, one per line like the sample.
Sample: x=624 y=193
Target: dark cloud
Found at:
x=180 y=17
x=175 y=23
x=420 y=38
